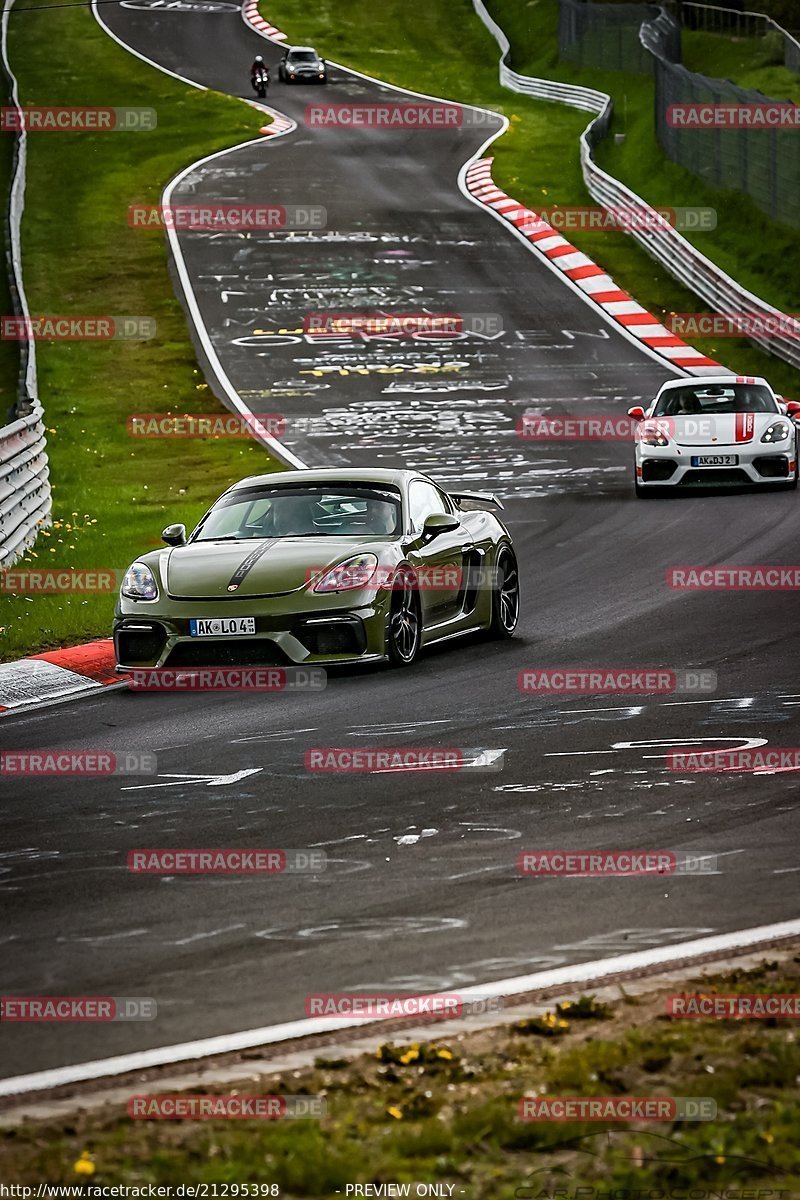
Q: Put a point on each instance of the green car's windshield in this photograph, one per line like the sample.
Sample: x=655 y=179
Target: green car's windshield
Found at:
x=346 y=510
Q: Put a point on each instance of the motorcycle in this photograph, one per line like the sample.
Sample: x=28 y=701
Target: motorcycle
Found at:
x=261 y=83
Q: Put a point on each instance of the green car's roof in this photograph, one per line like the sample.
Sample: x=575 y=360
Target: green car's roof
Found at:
x=331 y=475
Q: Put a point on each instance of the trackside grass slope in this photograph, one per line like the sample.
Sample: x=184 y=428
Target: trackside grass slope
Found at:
x=112 y=495
x=445 y=1112
x=443 y=49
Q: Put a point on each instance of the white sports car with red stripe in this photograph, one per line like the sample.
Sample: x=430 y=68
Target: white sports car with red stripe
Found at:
x=719 y=430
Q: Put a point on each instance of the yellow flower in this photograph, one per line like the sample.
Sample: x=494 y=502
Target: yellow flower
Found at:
x=84 y=1165
x=768 y=1137
x=395 y=1112
x=443 y=1053
x=410 y=1056
x=720 y=1159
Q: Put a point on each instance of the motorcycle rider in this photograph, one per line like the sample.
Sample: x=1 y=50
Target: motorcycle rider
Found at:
x=259 y=67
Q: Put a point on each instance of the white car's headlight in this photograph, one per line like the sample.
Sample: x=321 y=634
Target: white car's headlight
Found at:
x=139 y=583
x=653 y=435
x=778 y=431
x=355 y=573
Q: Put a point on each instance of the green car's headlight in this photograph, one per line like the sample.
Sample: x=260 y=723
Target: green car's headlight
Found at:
x=139 y=583
x=355 y=573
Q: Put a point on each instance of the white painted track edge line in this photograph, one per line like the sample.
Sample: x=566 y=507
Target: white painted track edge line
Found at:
x=567 y=976
x=201 y=87
x=276 y=448
x=80 y=694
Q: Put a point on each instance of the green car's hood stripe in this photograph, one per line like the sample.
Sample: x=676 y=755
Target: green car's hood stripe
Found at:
x=247 y=564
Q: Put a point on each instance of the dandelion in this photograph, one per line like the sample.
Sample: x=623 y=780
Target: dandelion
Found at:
x=395 y=1112
x=85 y=1164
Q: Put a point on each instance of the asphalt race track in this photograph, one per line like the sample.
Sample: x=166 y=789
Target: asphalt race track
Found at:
x=421 y=890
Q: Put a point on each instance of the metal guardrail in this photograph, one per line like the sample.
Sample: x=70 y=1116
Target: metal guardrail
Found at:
x=662 y=242
x=25 y=498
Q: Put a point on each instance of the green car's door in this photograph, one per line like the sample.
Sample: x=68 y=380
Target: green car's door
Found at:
x=441 y=560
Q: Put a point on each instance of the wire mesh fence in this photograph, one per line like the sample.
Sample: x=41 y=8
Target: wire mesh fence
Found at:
x=604 y=35
x=732 y=138
x=740 y=23
x=743 y=154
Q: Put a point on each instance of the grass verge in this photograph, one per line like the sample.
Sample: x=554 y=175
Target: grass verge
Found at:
x=443 y=49
x=445 y=1112
x=111 y=495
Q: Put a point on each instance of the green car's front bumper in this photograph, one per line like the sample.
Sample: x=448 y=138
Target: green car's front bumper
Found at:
x=344 y=628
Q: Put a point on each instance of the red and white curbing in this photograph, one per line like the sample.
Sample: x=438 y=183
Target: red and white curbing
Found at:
x=280 y=122
x=251 y=16
x=57 y=674
x=597 y=285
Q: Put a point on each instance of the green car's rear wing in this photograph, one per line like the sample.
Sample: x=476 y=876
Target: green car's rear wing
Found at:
x=482 y=499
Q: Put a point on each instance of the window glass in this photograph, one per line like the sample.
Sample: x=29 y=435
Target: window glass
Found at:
x=424 y=499
x=699 y=398
x=315 y=511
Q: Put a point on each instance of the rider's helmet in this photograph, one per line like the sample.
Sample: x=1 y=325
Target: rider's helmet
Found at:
x=259 y=59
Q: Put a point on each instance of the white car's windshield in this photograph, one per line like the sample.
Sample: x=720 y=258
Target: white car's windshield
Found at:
x=323 y=511
x=711 y=399
x=302 y=56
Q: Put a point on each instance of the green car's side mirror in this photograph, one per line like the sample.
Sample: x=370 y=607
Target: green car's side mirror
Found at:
x=174 y=535
x=437 y=523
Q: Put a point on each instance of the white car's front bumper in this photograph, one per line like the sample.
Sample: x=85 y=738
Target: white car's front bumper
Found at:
x=756 y=463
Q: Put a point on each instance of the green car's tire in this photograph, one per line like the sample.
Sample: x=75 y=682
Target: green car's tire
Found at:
x=505 y=595
x=404 y=631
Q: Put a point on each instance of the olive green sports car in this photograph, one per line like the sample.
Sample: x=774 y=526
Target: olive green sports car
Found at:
x=320 y=566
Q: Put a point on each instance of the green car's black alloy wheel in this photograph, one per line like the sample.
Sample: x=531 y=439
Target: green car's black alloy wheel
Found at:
x=404 y=635
x=505 y=595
